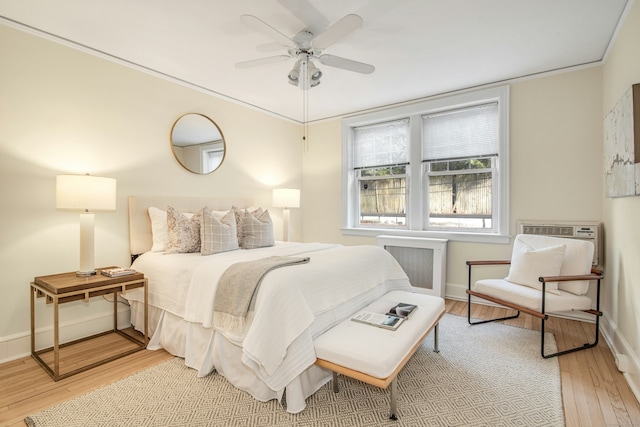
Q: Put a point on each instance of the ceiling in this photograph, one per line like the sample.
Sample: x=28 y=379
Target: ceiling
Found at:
x=420 y=48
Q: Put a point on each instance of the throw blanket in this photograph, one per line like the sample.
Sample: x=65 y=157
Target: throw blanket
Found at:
x=237 y=288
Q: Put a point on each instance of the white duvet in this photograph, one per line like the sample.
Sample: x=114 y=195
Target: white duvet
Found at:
x=294 y=304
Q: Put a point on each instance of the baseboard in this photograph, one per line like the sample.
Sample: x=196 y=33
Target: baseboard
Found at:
x=19 y=345
x=627 y=359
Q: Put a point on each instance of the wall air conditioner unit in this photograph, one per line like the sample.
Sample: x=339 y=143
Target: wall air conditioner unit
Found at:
x=584 y=230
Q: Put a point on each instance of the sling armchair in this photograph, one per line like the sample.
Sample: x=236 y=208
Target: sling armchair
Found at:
x=547 y=276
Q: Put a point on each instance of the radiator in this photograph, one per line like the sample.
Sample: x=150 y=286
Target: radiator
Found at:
x=424 y=261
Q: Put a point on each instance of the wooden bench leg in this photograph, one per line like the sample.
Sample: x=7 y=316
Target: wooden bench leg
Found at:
x=393 y=414
x=436 y=328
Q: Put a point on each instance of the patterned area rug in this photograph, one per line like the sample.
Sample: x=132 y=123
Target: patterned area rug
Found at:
x=487 y=375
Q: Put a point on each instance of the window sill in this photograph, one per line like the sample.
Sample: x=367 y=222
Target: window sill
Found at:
x=451 y=236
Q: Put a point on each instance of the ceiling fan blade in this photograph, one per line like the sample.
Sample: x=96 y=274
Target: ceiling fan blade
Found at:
x=337 y=31
x=261 y=26
x=263 y=61
x=346 y=64
x=269 y=47
x=307 y=14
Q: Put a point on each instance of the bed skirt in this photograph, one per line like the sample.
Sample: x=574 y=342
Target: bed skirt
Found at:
x=206 y=351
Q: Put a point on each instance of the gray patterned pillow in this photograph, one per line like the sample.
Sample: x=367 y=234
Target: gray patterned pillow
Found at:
x=184 y=233
x=257 y=232
x=256 y=212
x=218 y=235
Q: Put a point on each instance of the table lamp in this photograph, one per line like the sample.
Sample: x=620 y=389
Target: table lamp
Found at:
x=87 y=194
x=286 y=198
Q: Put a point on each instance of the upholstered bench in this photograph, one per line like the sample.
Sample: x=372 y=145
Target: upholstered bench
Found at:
x=376 y=355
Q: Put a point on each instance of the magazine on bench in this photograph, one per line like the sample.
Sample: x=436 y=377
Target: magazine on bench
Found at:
x=403 y=310
x=385 y=314
x=378 y=319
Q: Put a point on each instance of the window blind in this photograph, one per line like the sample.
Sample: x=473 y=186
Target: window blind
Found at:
x=381 y=144
x=462 y=133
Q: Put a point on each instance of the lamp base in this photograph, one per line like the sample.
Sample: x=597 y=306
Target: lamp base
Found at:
x=86 y=273
x=87 y=266
x=286 y=218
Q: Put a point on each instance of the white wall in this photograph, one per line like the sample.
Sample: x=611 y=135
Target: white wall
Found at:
x=555 y=163
x=64 y=111
x=622 y=215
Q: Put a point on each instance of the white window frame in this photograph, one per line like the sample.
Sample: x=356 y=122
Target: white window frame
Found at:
x=415 y=170
x=212 y=158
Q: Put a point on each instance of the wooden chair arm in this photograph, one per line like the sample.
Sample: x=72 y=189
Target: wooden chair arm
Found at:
x=591 y=276
x=499 y=262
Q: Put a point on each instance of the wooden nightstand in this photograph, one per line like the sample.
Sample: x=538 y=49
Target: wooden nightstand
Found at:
x=61 y=288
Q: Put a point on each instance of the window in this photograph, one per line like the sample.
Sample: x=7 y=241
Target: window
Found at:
x=211 y=158
x=438 y=168
x=381 y=155
x=459 y=149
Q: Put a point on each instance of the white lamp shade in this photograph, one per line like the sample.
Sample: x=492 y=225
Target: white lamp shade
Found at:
x=286 y=198
x=85 y=193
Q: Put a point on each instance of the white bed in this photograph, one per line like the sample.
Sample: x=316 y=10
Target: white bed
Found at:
x=294 y=305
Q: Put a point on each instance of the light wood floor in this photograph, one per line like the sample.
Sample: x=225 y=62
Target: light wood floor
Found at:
x=594 y=392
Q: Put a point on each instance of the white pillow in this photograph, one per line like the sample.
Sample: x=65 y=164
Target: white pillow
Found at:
x=159 y=229
x=218 y=235
x=527 y=265
x=577 y=261
x=578 y=256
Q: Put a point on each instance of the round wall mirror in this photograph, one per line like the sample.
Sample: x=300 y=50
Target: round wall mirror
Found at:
x=197 y=143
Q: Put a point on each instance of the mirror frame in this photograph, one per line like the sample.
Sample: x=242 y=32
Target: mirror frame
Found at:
x=179 y=158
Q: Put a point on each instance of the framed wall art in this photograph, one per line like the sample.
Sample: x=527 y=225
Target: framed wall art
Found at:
x=622 y=146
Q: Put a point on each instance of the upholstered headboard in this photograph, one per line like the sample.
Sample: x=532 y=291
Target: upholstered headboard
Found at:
x=140 y=237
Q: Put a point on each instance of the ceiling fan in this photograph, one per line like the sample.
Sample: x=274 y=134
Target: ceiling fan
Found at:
x=305 y=47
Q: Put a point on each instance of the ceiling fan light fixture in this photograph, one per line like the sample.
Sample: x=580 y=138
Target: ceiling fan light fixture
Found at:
x=294 y=74
x=313 y=72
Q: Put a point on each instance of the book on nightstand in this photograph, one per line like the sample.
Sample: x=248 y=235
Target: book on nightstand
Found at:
x=118 y=271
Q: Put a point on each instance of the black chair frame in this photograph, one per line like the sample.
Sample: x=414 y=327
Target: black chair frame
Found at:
x=596 y=274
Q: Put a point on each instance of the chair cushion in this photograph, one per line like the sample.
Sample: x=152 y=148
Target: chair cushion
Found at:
x=528 y=264
x=578 y=256
x=531 y=298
